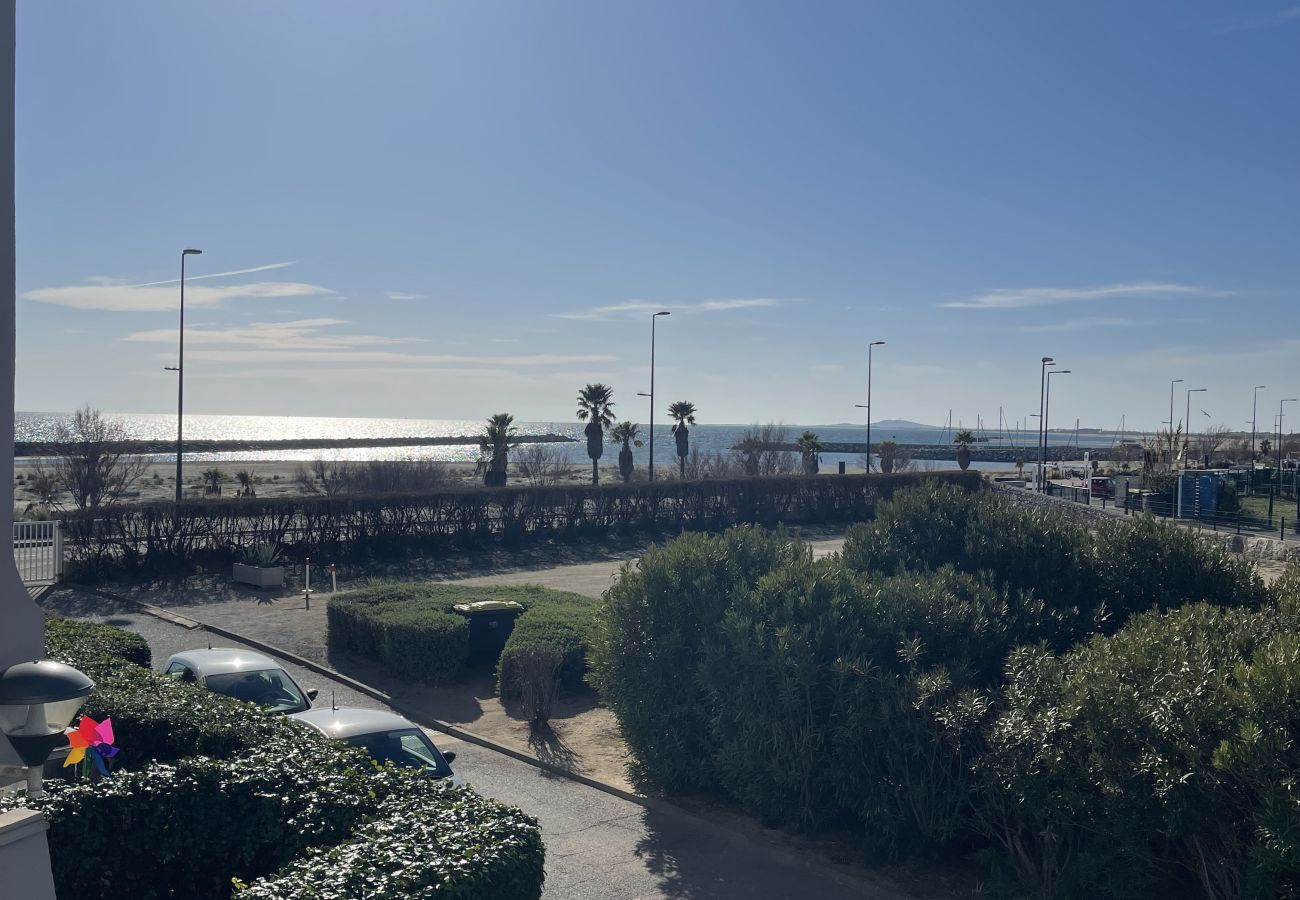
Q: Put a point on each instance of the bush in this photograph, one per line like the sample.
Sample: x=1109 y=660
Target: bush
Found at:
x=654 y=626
x=85 y=644
x=411 y=629
x=185 y=824
x=563 y=623
x=1178 y=733
x=536 y=679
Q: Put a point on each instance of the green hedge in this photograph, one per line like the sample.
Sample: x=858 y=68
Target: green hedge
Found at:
x=89 y=643
x=175 y=821
x=411 y=629
x=880 y=691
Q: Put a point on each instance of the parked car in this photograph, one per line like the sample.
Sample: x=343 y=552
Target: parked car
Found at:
x=386 y=736
x=1103 y=486
x=243 y=675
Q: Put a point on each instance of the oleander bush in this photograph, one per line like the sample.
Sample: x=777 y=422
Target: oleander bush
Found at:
x=652 y=631
x=1159 y=762
x=234 y=793
x=995 y=680
x=411 y=628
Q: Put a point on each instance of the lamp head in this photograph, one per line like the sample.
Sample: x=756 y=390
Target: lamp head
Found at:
x=1047 y=359
x=1176 y=381
x=191 y=252
x=876 y=344
x=1259 y=386
x=642 y=394
x=661 y=313
x=37 y=702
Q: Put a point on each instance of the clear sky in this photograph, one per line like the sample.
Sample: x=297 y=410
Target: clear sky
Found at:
x=447 y=210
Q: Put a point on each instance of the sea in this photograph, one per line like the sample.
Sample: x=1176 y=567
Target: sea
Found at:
x=39 y=426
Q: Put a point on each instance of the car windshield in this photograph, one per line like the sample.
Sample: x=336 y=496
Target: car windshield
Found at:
x=407 y=747
x=271 y=689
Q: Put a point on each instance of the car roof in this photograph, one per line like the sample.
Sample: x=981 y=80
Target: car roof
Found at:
x=223 y=660
x=349 y=721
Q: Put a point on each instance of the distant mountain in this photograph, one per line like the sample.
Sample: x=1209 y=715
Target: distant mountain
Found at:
x=897 y=424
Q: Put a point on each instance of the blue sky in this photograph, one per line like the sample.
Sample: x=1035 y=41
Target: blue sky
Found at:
x=454 y=209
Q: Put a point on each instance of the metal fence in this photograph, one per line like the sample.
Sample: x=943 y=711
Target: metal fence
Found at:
x=38 y=551
x=1282 y=524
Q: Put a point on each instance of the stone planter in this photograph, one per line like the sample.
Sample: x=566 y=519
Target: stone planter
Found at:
x=258 y=576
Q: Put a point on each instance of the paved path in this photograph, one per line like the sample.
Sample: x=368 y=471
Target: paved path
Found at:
x=598 y=847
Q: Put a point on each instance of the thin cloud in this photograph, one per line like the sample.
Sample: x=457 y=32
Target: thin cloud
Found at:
x=405 y=295
x=189 y=278
x=244 y=357
x=299 y=334
x=1274 y=19
x=1016 y=298
x=1080 y=325
x=633 y=307
x=161 y=298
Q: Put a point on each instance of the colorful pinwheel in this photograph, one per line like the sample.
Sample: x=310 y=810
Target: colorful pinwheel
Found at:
x=97 y=737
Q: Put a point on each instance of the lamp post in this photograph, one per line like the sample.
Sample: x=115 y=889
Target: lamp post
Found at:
x=1171 y=420
x=1279 y=436
x=1187 y=423
x=1047 y=406
x=180 y=377
x=652 y=389
x=869 y=348
x=1042 y=448
x=1254 y=408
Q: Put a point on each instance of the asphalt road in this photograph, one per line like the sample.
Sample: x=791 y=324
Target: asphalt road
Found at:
x=598 y=847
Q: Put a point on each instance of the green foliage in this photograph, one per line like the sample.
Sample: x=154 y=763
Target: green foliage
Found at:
x=262 y=555
x=654 y=626
x=85 y=644
x=1178 y=733
x=231 y=791
x=563 y=622
x=413 y=638
x=412 y=630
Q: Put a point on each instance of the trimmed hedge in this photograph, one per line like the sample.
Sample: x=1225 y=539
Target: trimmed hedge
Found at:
x=184 y=823
x=144 y=535
x=411 y=629
x=90 y=642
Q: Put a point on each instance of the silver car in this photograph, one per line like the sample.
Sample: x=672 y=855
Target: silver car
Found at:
x=386 y=736
x=243 y=675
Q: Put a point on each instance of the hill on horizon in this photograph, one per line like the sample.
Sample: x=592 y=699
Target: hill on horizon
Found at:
x=885 y=423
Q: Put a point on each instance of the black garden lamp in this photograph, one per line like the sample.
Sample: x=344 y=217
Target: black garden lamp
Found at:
x=37 y=702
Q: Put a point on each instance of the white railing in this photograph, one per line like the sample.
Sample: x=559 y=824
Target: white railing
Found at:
x=38 y=551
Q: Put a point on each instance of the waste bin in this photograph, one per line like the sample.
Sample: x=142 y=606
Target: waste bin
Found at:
x=490 y=624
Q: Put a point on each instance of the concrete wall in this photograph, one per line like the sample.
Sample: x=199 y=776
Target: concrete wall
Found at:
x=24 y=857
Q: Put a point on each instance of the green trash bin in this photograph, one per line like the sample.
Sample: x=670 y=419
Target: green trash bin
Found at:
x=490 y=624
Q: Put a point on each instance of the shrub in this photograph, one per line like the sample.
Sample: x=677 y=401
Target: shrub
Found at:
x=412 y=638
x=653 y=628
x=411 y=627
x=536 y=679
x=564 y=623
x=1178 y=733
x=183 y=826
x=83 y=644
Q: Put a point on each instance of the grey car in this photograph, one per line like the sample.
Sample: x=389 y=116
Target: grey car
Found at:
x=243 y=675
x=386 y=736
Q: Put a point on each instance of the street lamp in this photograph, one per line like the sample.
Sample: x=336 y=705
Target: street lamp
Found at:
x=1254 y=407
x=1279 y=437
x=1047 y=406
x=1187 y=423
x=1042 y=444
x=652 y=389
x=1171 y=420
x=37 y=702
x=869 y=348
x=180 y=377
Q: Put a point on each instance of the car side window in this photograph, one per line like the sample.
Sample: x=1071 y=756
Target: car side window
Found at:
x=186 y=674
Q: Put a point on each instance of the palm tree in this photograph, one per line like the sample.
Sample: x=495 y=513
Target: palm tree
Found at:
x=682 y=413
x=810 y=447
x=963 y=439
x=246 y=481
x=626 y=432
x=596 y=408
x=212 y=479
x=494 y=448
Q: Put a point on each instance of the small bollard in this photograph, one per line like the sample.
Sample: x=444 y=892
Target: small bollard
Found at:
x=841 y=467
x=1282 y=536
x=306 y=590
x=334 y=579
